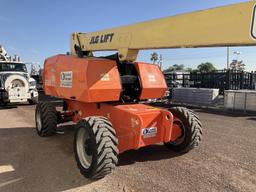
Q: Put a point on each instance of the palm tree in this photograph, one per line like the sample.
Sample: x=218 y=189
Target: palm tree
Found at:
x=154 y=57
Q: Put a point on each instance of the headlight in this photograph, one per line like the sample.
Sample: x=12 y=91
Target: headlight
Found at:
x=32 y=83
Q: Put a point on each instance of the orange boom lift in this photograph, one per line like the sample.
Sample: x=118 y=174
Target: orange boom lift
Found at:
x=102 y=94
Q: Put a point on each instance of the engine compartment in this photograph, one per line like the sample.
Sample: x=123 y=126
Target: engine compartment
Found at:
x=95 y=80
x=130 y=81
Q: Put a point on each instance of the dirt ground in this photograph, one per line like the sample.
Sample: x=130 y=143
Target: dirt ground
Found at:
x=225 y=161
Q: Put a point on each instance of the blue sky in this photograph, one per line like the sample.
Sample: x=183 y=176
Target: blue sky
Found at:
x=39 y=29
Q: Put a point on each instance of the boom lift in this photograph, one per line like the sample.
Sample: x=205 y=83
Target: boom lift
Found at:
x=102 y=94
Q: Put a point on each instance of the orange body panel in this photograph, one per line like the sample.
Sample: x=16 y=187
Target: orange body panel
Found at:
x=87 y=84
x=96 y=80
x=86 y=80
x=130 y=121
x=152 y=81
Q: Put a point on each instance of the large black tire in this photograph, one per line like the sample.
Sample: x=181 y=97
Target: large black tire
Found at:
x=191 y=130
x=46 y=119
x=95 y=147
x=4 y=104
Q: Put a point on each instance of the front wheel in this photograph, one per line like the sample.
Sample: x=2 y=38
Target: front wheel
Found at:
x=95 y=147
x=191 y=130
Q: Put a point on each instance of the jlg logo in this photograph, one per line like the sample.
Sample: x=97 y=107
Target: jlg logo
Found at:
x=149 y=132
x=106 y=38
x=253 y=24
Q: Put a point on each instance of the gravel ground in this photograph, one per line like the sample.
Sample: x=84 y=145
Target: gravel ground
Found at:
x=225 y=161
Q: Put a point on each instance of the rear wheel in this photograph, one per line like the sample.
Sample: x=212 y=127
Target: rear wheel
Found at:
x=95 y=147
x=4 y=104
x=191 y=130
x=46 y=119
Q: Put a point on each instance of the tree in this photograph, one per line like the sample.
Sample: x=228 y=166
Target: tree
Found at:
x=237 y=65
x=206 y=67
x=154 y=57
x=175 y=67
x=189 y=69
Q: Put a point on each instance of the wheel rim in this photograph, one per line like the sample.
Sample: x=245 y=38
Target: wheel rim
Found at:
x=83 y=148
x=38 y=120
x=180 y=139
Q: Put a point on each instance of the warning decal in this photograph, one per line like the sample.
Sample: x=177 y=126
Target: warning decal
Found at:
x=66 y=79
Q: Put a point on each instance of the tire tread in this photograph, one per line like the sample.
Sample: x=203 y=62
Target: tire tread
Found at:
x=195 y=130
x=106 y=147
x=48 y=119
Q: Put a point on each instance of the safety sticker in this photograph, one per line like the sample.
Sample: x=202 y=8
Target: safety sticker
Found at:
x=151 y=78
x=149 y=132
x=66 y=79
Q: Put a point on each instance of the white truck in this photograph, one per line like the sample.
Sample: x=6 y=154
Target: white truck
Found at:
x=16 y=85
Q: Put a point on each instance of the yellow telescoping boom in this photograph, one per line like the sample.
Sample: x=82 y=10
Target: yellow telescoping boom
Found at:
x=233 y=25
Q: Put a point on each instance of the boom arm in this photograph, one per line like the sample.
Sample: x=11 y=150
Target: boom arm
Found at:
x=233 y=25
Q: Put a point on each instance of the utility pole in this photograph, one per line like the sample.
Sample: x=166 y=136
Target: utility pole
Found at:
x=227 y=58
x=160 y=61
